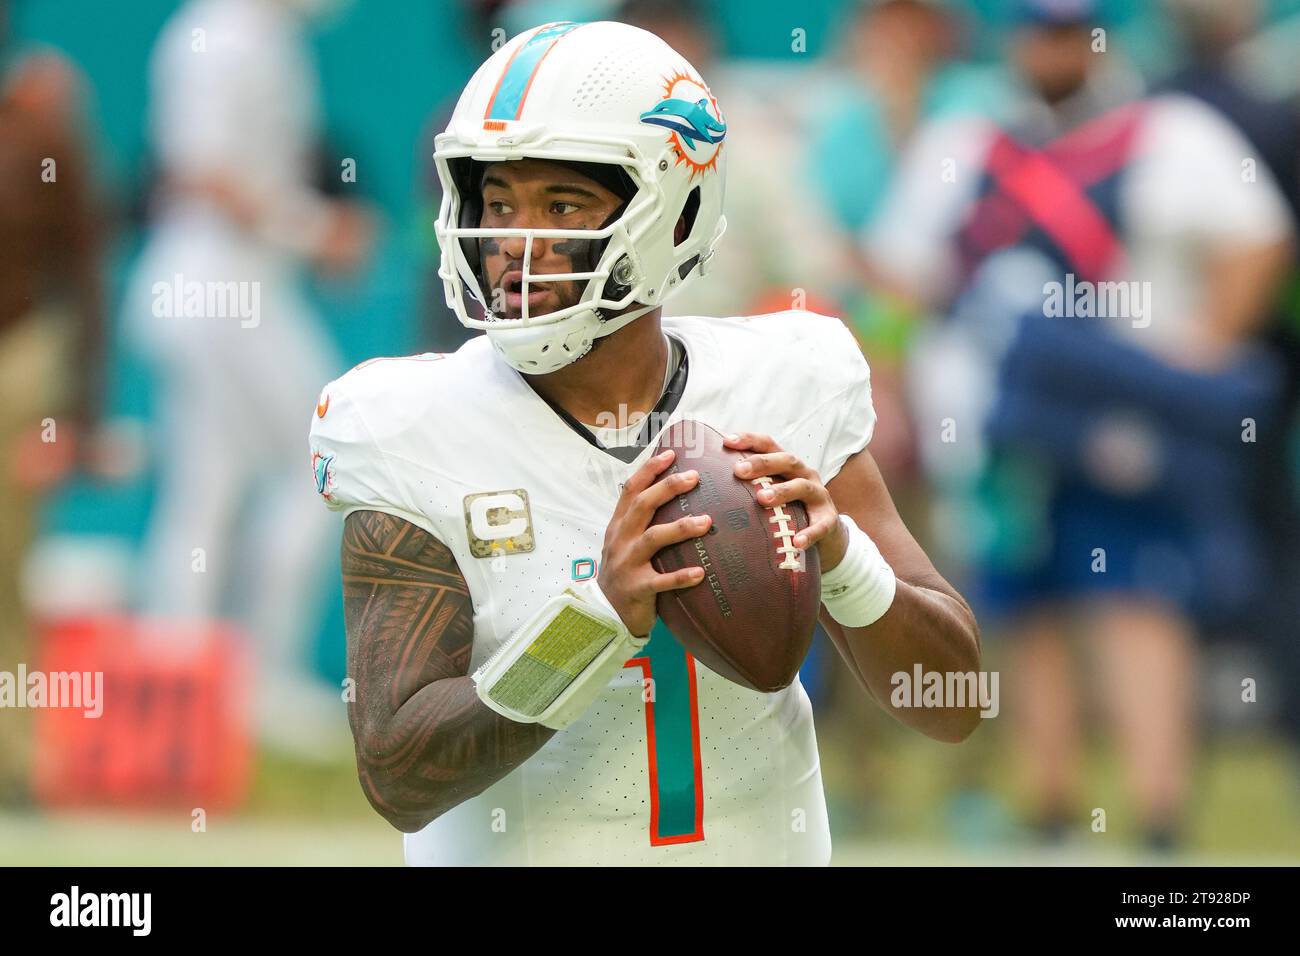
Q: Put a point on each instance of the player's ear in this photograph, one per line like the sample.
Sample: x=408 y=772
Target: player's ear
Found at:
x=679 y=231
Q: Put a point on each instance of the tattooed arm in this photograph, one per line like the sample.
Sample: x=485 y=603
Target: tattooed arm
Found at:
x=424 y=741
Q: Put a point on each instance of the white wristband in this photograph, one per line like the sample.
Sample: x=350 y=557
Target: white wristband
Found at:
x=559 y=661
x=860 y=589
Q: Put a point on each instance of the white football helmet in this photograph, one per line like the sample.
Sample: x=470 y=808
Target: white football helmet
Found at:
x=585 y=93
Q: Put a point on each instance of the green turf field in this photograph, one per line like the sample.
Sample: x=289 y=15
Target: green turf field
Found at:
x=897 y=807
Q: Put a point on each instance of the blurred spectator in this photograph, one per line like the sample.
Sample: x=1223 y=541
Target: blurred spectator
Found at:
x=216 y=305
x=1214 y=34
x=897 y=68
x=1066 y=69
x=51 y=335
x=1111 y=494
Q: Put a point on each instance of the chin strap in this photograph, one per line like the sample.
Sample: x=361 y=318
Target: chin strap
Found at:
x=608 y=326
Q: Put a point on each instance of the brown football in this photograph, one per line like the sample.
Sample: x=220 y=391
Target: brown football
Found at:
x=752 y=617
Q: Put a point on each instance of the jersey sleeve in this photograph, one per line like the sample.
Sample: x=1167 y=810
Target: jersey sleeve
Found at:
x=835 y=417
x=351 y=471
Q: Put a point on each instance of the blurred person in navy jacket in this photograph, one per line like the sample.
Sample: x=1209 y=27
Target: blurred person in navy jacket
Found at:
x=1222 y=72
x=1106 y=267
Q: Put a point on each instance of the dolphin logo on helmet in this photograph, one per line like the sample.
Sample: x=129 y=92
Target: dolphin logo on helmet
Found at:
x=691 y=121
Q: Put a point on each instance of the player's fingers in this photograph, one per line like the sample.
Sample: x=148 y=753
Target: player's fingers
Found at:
x=644 y=477
x=648 y=501
x=751 y=441
x=659 y=536
x=815 y=531
x=774 y=463
x=811 y=493
x=677 y=580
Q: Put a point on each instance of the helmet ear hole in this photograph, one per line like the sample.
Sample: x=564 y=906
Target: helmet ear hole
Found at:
x=685 y=231
x=686 y=222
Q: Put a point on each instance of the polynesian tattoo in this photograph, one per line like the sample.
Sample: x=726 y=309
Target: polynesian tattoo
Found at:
x=424 y=741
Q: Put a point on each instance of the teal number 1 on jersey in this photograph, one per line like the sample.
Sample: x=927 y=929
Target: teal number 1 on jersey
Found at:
x=672 y=739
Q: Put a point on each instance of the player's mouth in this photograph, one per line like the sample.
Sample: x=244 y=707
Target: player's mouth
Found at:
x=512 y=284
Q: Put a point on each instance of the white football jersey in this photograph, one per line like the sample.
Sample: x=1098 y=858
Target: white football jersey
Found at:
x=707 y=772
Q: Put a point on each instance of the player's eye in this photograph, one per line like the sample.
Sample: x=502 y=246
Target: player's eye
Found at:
x=499 y=207
x=562 y=208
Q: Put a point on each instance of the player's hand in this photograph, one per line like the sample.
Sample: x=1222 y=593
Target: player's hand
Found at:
x=793 y=481
x=626 y=576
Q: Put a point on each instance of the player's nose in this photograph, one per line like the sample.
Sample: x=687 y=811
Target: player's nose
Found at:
x=512 y=247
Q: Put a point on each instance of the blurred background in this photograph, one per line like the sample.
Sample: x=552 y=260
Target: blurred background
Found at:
x=1114 y=488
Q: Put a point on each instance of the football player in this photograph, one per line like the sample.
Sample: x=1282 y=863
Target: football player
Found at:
x=493 y=493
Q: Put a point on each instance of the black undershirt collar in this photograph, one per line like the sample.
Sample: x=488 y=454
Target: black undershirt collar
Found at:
x=666 y=405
